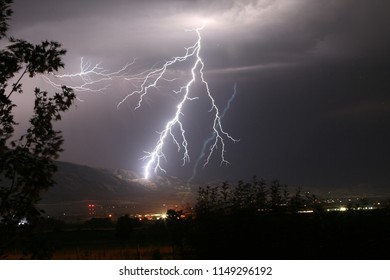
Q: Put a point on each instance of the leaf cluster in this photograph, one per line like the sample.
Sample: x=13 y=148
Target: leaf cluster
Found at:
x=26 y=162
x=5 y=15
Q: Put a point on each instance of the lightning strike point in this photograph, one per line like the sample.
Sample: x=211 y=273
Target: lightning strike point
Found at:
x=151 y=81
x=94 y=78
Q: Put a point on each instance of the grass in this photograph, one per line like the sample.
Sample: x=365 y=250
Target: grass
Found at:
x=349 y=235
x=77 y=243
x=130 y=253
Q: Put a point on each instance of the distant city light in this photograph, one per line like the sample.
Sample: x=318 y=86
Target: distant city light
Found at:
x=23 y=222
x=306 y=211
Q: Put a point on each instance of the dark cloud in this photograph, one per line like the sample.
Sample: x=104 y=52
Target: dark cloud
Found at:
x=312 y=80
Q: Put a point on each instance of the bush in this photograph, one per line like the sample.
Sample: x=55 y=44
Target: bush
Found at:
x=124 y=227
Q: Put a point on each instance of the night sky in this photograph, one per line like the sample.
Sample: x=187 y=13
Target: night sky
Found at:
x=313 y=84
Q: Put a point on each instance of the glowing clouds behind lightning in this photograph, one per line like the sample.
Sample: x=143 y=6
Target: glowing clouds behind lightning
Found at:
x=154 y=159
x=94 y=78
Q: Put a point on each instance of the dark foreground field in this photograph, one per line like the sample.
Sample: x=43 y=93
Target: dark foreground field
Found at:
x=337 y=235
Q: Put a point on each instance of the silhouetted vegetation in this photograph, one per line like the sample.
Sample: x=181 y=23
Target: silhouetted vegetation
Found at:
x=254 y=220
x=124 y=227
x=249 y=220
x=95 y=223
x=252 y=198
x=26 y=167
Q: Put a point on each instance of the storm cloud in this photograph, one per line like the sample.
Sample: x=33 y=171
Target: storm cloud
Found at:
x=312 y=77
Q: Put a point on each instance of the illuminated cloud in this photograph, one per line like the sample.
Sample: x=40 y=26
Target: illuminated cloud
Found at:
x=302 y=67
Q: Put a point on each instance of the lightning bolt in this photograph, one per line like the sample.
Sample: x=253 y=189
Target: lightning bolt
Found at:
x=94 y=78
x=156 y=156
x=207 y=142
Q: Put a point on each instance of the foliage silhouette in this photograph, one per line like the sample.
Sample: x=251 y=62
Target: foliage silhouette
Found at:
x=26 y=166
x=99 y=223
x=124 y=227
x=253 y=217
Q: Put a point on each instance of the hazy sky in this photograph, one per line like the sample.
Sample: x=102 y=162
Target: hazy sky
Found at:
x=313 y=84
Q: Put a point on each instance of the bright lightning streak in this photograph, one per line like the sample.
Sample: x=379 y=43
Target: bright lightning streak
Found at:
x=94 y=78
x=207 y=142
x=155 y=157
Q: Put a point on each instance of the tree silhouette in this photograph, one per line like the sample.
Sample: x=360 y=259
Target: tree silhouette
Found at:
x=173 y=215
x=297 y=202
x=124 y=227
x=276 y=198
x=5 y=15
x=26 y=162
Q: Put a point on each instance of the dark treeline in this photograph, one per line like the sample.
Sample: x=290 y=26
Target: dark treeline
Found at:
x=252 y=197
x=247 y=220
x=251 y=220
x=256 y=220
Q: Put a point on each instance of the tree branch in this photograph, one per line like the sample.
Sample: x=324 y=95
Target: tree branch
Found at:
x=14 y=86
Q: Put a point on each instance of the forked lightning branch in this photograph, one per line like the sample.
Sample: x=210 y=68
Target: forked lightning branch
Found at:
x=95 y=78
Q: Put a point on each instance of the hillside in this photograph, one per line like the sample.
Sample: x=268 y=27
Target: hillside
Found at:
x=77 y=186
